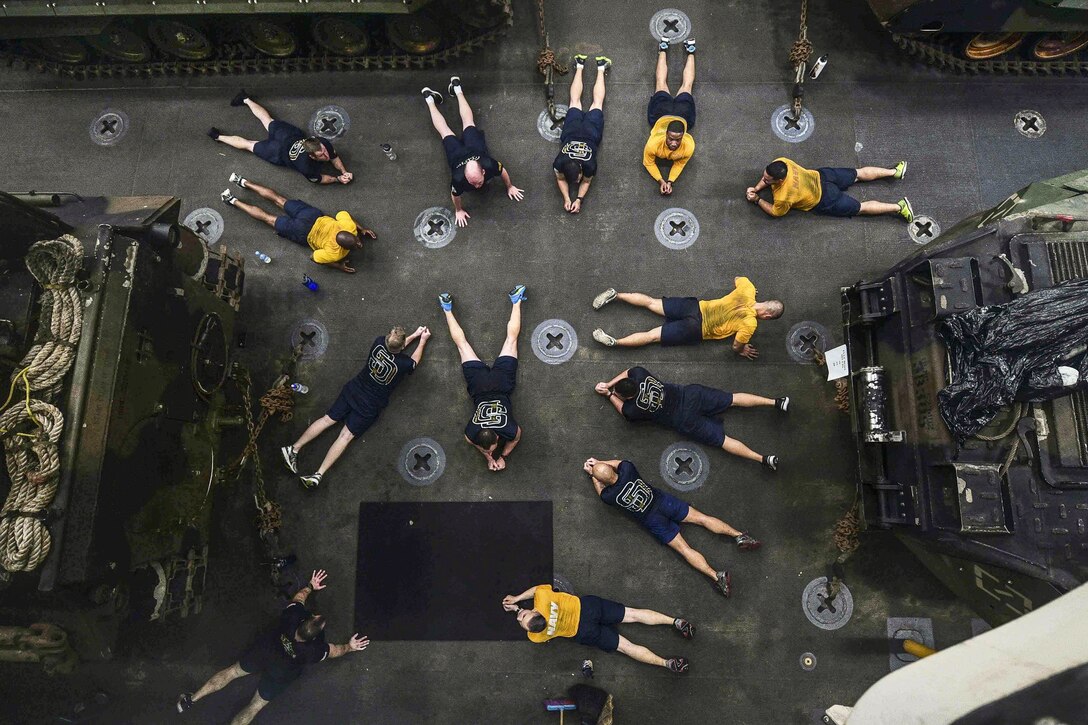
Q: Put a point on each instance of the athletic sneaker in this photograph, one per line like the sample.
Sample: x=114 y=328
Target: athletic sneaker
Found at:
x=900 y=170
x=689 y=46
x=236 y=178
x=311 y=481
x=240 y=99
x=227 y=197
x=214 y=133
x=747 y=543
x=679 y=665
x=431 y=93
x=906 y=210
x=663 y=45
x=686 y=628
x=604 y=298
x=603 y=62
x=518 y=294
x=724 y=583
x=604 y=338
x=446 y=301
x=290 y=458
x=580 y=60
x=782 y=403
x=185 y=701
x=770 y=462
x=455 y=83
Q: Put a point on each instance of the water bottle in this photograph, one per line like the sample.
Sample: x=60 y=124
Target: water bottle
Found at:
x=309 y=283
x=587 y=669
x=389 y=152
x=299 y=388
x=818 y=67
x=263 y=257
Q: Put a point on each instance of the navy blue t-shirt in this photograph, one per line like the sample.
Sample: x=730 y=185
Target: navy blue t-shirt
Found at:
x=656 y=400
x=295 y=156
x=492 y=413
x=278 y=654
x=631 y=493
x=459 y=184
x=581 y=150
x=382 y=373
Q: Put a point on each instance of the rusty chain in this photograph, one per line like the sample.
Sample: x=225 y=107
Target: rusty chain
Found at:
x=799 y=55
x=547 y=64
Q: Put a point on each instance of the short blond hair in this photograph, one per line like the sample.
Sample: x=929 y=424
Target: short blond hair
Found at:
x=395 y=340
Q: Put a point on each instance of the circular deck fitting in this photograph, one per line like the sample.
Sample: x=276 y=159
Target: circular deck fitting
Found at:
x=180 y=40
x=821 y=612
x=340 y=36
x=435 y=227
x=788 y=128
x=421 y=461
x=313 y=336
x=561 y=584
x=923 y=229
x=109 y=127
x=676 y=228
x=330 y=122
x=270 y=38
x=206 y=223
x=670 y=24
x=1030 y=123
x=804 y=339
x=415 y=34
x=554 y=341
x=684 y=466
x=548 y=129
x=121 y=44
x=808 y=661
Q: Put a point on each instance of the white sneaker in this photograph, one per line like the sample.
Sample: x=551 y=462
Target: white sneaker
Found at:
x=604 y=338
x=604 y=298
x=236 y=178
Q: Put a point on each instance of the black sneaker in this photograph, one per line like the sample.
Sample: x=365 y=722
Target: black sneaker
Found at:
x=747 y=543
x=724 y=584
x=240 y=99
x=311 y=481
x=290 y=458
x=782 y=403
x=771 y=462
x=689 y=46
x=686 y=628
x=185 y=701
x=214 y=133
x=679 y=665
x=431 y=93
x=455 y=83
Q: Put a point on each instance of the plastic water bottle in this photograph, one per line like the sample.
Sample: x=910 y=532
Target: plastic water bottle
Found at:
x=263 y=257
x=309 y=283
x=587 y=669
x=299 y=388
x=389 y=152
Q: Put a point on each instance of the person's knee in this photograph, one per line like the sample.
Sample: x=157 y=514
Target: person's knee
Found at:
x=346 y=435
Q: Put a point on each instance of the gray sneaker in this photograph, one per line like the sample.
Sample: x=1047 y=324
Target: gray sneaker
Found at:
x=290 y=458
x=604 y=298
x=311 y=481
x=724 y=584
x=747 y=543
x=604 y=338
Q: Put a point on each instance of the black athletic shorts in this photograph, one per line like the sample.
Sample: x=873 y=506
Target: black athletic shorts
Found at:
x=348 y=409
x=683 y=321
x=274 y=676
x=834 y=201
x=281 y=135
x=596 y=623
x=664 y=104
x=297 y=220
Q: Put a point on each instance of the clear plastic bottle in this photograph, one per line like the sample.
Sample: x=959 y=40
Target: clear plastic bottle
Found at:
x=262 y=256
x=389 y=152
x=299 y=388
x=309 y=283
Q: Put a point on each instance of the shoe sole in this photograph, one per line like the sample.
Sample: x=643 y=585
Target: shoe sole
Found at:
x=287 y=461
x=785 y=405
x=728 y=586
x=450 y=87
x=604 y=298
x=750 y=546
x=604 y=338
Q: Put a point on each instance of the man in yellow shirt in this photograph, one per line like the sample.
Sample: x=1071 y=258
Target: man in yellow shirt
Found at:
x=671 y=119
x=689 y=320
x=823 y=190
x=330 y=238
x=592 y=621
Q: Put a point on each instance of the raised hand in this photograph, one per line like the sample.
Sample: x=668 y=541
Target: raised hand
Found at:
x=462 y=218
x=515 y=193
x=358 y=643
x=317 y=579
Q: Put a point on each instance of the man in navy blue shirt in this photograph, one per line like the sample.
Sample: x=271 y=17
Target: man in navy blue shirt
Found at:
x=693 y=411
x=362 y=398
x=287 y=145
x=492 y=430
x=576 y=164
x=471 y=164
x=619 y=484
x=279 y=654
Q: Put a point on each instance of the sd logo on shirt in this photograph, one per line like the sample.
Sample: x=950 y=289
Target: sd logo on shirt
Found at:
x=578 y=150
x=296 y=150
x=383 y=368
x=651 y=395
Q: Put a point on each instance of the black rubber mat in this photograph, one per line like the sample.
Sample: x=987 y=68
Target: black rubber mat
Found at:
x=439 y=571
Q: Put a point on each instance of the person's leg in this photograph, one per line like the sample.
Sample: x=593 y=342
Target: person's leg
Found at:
x=875 y=208
x=645 y=616
x=246 y=715
x=710 y=523
x=266 y=192
x=638 y=339
x=464 y=349
x=315 y=429
x=689 y=75
x=576 y=86
x=748 y=400
x=463 y=108
x=691 y=556
x=872 y=173
x=661 y=75
x=653 y=304
x=732 y=445
x=220 y=680
x=513 y=329
x=256 y=212
x=236 y=142
x=336 y=450
x=638 y=652
x=438 y=120
x=260 y=112
x=598 y=90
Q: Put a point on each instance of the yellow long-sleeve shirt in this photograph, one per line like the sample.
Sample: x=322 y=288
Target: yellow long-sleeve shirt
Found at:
x=799 y=190
x=322 y=237
x=656 y=149
x=733 y=314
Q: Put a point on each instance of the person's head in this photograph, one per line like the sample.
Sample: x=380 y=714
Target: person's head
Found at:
x=315 y=149
x=775 y=172
x=626 y=388
x=310 y=629
x=674 y=134
x=572 y=171
x=605 y=473
x=486 y=439
x=474 y=173
x=770 y=310
x=347 y=240
x=531 y=620
x=395 y=340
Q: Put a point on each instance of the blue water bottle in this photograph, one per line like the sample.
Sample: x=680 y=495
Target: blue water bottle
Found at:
x=309 y=283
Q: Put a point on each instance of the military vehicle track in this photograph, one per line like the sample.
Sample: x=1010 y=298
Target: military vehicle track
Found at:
x=943 y=54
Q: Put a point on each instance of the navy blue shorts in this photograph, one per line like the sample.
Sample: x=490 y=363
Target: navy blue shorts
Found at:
x=663 y=103
x=833 y=199
x=664 y=520
x=683 y=321
x=297 y=221
x=281 y=135
x=501 y=377
x=582 y=125
x=258 y=659
x=471 y=142
x=357 y=417
x=700 y=409
x=596 y=623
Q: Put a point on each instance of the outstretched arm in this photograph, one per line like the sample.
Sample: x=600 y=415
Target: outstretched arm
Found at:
x=511 y=191
x=317 y=582
x=355 y=644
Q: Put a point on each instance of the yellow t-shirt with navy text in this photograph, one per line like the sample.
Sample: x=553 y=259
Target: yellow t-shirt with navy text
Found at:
x=734 y=314
x=322 y=237
x=562 y=612
x=799 y=190
x=655 y=149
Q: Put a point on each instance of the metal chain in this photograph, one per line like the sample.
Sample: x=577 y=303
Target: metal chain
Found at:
x=547 y=64
x=799 y=55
